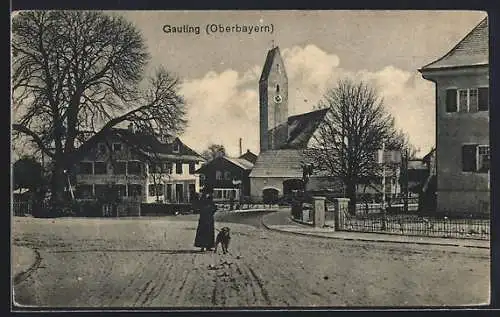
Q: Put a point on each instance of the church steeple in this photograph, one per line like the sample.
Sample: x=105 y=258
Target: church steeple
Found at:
x=273 y=100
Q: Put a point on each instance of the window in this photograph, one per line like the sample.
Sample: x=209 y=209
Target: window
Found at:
x=483 y=158
x=169 y=192
x=483 y=99
x=84 y=191
x=156 y=167
x=218 y=175
x=178 y=168
x=176 y=148
x=86 y=168
x=168 y=167
x=192 y=167
x=120 y=190
x=134 y=168
x=100 y=168
x=467 y=100
x=101 y=147
x=117 y=147
x=278 y=68
x=100 y=190
x=120 y=168
x=155 y=190
x=134 y=190
x=475 y=158
x=227 y=175
x=451 y=100
x=278 y=89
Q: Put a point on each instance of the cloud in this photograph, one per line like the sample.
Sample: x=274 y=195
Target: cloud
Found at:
x=224 y=106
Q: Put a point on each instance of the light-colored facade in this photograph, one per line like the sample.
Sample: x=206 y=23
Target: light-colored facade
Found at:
x=462 y=124
x=114 y=164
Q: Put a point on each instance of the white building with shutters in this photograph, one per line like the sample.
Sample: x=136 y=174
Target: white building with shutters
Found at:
x=462 y=118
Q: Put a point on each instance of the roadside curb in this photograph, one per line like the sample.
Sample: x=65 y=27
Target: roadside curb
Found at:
x=21 y=276
x=369 y=239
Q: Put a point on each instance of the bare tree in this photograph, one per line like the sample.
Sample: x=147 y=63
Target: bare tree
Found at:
x=214 y=151
x=354 y=129
x=76 y=75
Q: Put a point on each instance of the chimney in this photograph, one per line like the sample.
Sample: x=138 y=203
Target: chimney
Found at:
x=240 y=148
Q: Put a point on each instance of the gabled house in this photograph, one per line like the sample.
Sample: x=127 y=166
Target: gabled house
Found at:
x=139 y=166
x=228 y=176
x=461 y=78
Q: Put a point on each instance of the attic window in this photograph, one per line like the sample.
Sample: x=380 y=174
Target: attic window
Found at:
x=176 y=148
x=278 y=89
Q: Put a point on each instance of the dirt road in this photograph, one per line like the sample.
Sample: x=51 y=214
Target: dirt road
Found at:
x=151 y=263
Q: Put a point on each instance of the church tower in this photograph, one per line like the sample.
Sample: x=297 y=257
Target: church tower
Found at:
x=273 y=100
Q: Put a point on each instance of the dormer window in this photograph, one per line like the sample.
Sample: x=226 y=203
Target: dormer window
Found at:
x=176 y=147
x=117 y=147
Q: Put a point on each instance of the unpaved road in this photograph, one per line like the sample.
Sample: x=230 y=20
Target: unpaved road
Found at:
x=150 y=262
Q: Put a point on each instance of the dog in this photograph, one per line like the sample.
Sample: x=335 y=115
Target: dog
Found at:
x=223 y=237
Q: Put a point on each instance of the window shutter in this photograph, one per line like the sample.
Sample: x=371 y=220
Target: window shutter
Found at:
x=469 y=157
x=483 y=99
x=451 y=100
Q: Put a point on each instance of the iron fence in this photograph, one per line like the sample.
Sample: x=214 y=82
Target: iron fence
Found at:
x=22 y=208
x=416 y=224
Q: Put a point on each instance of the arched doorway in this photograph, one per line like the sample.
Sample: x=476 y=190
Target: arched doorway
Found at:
x=270 y=195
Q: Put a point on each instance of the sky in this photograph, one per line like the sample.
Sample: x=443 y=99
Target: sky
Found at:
x=220 y=70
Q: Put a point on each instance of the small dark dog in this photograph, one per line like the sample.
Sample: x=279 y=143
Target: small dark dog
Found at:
x=223 y=237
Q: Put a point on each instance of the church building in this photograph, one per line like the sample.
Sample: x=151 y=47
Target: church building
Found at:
x=283 y=138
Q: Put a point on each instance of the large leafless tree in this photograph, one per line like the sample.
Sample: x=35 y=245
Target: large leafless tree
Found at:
x=355 y=127
x=76 y=75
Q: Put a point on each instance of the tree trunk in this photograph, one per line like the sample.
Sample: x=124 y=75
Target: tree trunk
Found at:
x=57 y=190
x=351 y=194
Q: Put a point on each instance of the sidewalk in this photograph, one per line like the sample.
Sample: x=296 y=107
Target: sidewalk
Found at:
x=281 y=221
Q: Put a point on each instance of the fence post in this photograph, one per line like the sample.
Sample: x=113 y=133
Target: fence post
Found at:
x=318 y=210
x=340 y=206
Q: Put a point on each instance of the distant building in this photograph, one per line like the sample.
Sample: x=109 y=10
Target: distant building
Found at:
x=228 y=177
x=284 y=139
x=157 y=170
x=462 y=124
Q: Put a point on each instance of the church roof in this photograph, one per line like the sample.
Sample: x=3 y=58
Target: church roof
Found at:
x=472 y=50
x=279 y=163
x=269 y=63
x=302 y=127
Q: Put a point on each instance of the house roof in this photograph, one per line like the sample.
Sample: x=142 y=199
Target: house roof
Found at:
x=472 y=50
x=279 y=163
x=269 y=63
x=302 y=127
x=240 y=162
x=417 y=165
x=148 y=143
x=249 y=156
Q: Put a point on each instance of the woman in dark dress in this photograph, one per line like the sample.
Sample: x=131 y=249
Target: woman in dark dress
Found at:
x=205 y=233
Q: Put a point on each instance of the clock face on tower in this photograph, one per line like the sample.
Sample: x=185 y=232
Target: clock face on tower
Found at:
x=278 y=99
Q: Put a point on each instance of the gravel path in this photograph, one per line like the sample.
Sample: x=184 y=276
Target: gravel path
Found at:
x=151 y=263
